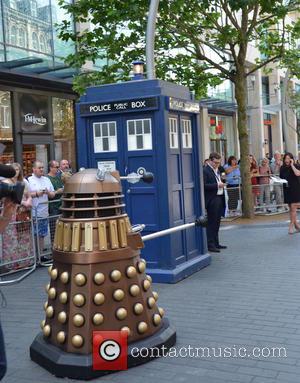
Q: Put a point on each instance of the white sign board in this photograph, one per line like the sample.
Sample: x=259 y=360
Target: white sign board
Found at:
x=109 y=166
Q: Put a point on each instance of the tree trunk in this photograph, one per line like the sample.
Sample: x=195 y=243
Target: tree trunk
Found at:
x=241 y=99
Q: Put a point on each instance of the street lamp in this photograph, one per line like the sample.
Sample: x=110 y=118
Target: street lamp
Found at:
x=150 y=36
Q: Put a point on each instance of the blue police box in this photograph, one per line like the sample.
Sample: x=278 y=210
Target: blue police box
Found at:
x=151 y=125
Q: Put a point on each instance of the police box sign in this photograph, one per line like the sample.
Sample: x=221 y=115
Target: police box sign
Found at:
x=119 y=106
x=184 y=105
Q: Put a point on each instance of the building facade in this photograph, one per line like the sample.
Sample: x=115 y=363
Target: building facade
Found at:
x=36 y=97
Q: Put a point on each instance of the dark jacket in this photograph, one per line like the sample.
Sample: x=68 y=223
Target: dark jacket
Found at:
x=210 y=186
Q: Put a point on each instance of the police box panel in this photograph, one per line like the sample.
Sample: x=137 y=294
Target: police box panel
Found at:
x=140 y=157
x=183 y=157
x=104 y=135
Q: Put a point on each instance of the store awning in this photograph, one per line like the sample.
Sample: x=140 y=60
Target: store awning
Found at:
x=39 y=68
x=20 y=62
x=215 y=103
x=272 y=109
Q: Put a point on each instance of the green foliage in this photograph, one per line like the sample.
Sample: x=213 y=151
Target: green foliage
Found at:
x=186 y=31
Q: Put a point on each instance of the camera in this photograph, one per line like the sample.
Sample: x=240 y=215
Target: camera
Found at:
x=14 y=192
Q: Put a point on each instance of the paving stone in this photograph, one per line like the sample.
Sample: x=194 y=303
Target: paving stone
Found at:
x=248 y=297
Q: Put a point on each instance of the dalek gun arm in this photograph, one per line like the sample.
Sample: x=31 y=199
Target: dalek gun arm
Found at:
x=199 y=222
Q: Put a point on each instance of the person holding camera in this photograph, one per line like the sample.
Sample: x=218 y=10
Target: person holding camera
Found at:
x=214 y=201
x=41 y=190
x=291 y=172
x=9 y=206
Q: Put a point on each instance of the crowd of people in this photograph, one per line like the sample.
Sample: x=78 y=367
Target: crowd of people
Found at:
x=218 y=178
x=17 y=241
x=267 y=187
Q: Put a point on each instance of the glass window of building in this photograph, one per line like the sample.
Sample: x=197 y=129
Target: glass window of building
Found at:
x=139 y=134
x=6 y=134
x=33 y=8
x=34 y=30
x=13 y=4
x=13 y=35
x=42 y=43
x=265 y=90
x=173 y=132
x=35 y=41
x=186 y=131
x=63 y=126
x=21 y=37
x=105 y=137
x=61 y=48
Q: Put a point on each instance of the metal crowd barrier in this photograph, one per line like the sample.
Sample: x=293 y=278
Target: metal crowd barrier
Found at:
x=22 y=249
x=233 y=201
x=268 y=198
x=17 y=252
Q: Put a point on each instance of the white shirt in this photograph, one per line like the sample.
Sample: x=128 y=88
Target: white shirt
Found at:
x=40 y=204
x=218 y=179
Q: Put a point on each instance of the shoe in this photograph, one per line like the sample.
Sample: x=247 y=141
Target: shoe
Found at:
x=214 y=250
x=221 y=247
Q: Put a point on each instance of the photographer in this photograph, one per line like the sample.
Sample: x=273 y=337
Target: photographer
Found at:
x=8 y=210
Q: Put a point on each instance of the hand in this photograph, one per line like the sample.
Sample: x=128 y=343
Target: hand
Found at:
x=221 y=185
x=60 y=191
x=292 y=162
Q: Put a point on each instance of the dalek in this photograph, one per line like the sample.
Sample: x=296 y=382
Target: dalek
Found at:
x=98 y=281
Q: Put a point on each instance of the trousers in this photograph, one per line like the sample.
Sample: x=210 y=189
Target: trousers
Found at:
x=2 y=355
x=214 y=212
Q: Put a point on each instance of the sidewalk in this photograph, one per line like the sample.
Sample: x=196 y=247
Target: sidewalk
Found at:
x=259 y=219
x=248 y=297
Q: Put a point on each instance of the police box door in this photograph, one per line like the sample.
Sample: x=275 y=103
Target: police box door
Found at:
x=125 y=144
x=185 y=185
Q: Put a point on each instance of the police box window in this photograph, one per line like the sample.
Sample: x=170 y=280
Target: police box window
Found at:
x=186 y=131
x=139 y=134
x=173 y=132
x=105 y=137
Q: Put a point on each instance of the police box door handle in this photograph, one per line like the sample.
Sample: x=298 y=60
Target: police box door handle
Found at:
x=128 y=191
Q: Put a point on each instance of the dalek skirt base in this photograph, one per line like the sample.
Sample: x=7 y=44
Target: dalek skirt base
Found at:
x=74 y=366
x=98 y=281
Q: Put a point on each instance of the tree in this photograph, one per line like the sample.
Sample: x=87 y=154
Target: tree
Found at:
x=198 y=42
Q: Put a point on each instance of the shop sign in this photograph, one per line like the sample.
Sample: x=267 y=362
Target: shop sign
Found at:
x=119 y=106
x=183 y=105
x=33 y=113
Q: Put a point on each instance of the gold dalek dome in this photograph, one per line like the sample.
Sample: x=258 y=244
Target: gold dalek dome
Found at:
x=98 y=281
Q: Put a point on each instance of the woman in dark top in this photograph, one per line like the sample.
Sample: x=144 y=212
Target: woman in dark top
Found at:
x=291 y=191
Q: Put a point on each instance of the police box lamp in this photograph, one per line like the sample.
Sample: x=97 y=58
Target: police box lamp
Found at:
x=138 y=69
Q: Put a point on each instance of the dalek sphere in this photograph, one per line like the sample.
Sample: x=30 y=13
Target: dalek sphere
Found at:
x=98 y=281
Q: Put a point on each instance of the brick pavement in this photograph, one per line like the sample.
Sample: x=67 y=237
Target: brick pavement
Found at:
x=248 y=297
